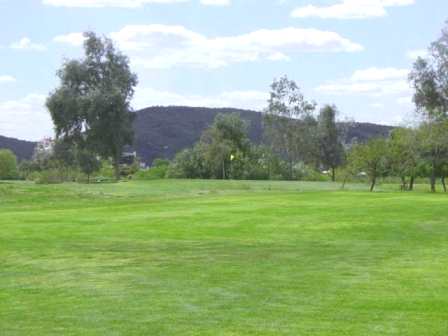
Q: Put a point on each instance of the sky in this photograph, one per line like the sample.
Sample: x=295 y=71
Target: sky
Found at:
x=355 y=54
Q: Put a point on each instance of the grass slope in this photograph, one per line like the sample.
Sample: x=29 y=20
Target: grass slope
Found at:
x=221 y=258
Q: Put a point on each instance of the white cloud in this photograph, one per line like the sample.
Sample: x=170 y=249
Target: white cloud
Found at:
x=371 y=81
x=25 y=118
x=74 y=39
x=215 y=2
x=107 y=3
x=414 y=54
x=377 y=105
x=125 y=3
x=254 y=100
x=163 y=46
x=7 y=79
x=350 y=9
x=26 y=44
x=379 y=74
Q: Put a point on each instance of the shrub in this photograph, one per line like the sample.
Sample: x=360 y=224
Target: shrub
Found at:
x=157 y=171
x=8 y=165
x=153 y=173
x=50 y=176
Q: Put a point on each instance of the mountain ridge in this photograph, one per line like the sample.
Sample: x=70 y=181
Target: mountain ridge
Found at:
x=162 y=131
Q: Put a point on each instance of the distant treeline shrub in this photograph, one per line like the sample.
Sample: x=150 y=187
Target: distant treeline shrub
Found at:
x=157 y=171
x=8 y=165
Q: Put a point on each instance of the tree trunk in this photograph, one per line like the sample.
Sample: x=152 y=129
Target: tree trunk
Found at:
x=223 y=170
x=116 y=165
x=443 y=183
x=333 y=174
x=290 y=170
x=344 y=182
x=404 y=185
x=372 y=186
x=411 y=183
x=88 y=178
x=433 y=181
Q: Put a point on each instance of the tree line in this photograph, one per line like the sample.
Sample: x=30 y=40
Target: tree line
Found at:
x=93 y=122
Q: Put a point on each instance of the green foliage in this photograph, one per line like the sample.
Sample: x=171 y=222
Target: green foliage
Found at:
x=188 y=163
x=225 y=146
x=91 y=107
x=88 y=163
x=433 y=144
x=371 y=159
x=289 y=124
x=153 y=173
x=8 y=165
x=158 y=170
x=429 y=79
x=49 y=176
x=331 y=149
x=404 y=157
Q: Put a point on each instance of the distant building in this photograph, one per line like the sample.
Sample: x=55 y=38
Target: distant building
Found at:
x=128 y=158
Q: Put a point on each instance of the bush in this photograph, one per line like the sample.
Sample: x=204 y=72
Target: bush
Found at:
x=8 y=165
x=157 y=171
x=154 y=173
x=304 y=172
x=50 y=176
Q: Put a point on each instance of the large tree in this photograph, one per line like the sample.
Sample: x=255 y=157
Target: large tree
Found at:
x=290 y=125
x=429 y=78
x=331 y=149
x=91 y=106
x=433 y=145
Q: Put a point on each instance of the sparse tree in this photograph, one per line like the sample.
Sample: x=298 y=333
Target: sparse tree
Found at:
x=404 y=156
x=42 y=153
x=430 y=81
x=370 y=158
x=91 y=107
x=88 y=163
x=224 y=145
x=290 y=125
x=429 y=78
x=331 y=149
x=433 y=144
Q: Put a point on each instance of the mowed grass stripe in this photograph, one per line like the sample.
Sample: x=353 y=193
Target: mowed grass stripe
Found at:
x=248 y=261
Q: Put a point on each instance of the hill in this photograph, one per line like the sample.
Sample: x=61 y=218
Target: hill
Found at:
x=23 y=149
x=161 y=132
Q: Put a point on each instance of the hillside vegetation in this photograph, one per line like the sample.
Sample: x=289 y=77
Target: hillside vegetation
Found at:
x=161 y=132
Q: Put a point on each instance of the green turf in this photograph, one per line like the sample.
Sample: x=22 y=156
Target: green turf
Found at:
x=222 y=258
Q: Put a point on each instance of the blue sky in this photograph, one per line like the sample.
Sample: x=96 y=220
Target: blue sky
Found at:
x=353 y=53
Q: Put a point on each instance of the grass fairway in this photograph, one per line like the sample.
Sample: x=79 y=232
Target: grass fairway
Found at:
x=221 y=258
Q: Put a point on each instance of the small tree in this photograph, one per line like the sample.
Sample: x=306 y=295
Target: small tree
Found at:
x=43 y=153
x=433 y=144
x=290 y=126
x=8 y=165
x=370 y=158
x=224 y=145
x=330 y=145
x=404 y=156
x=88 y=163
